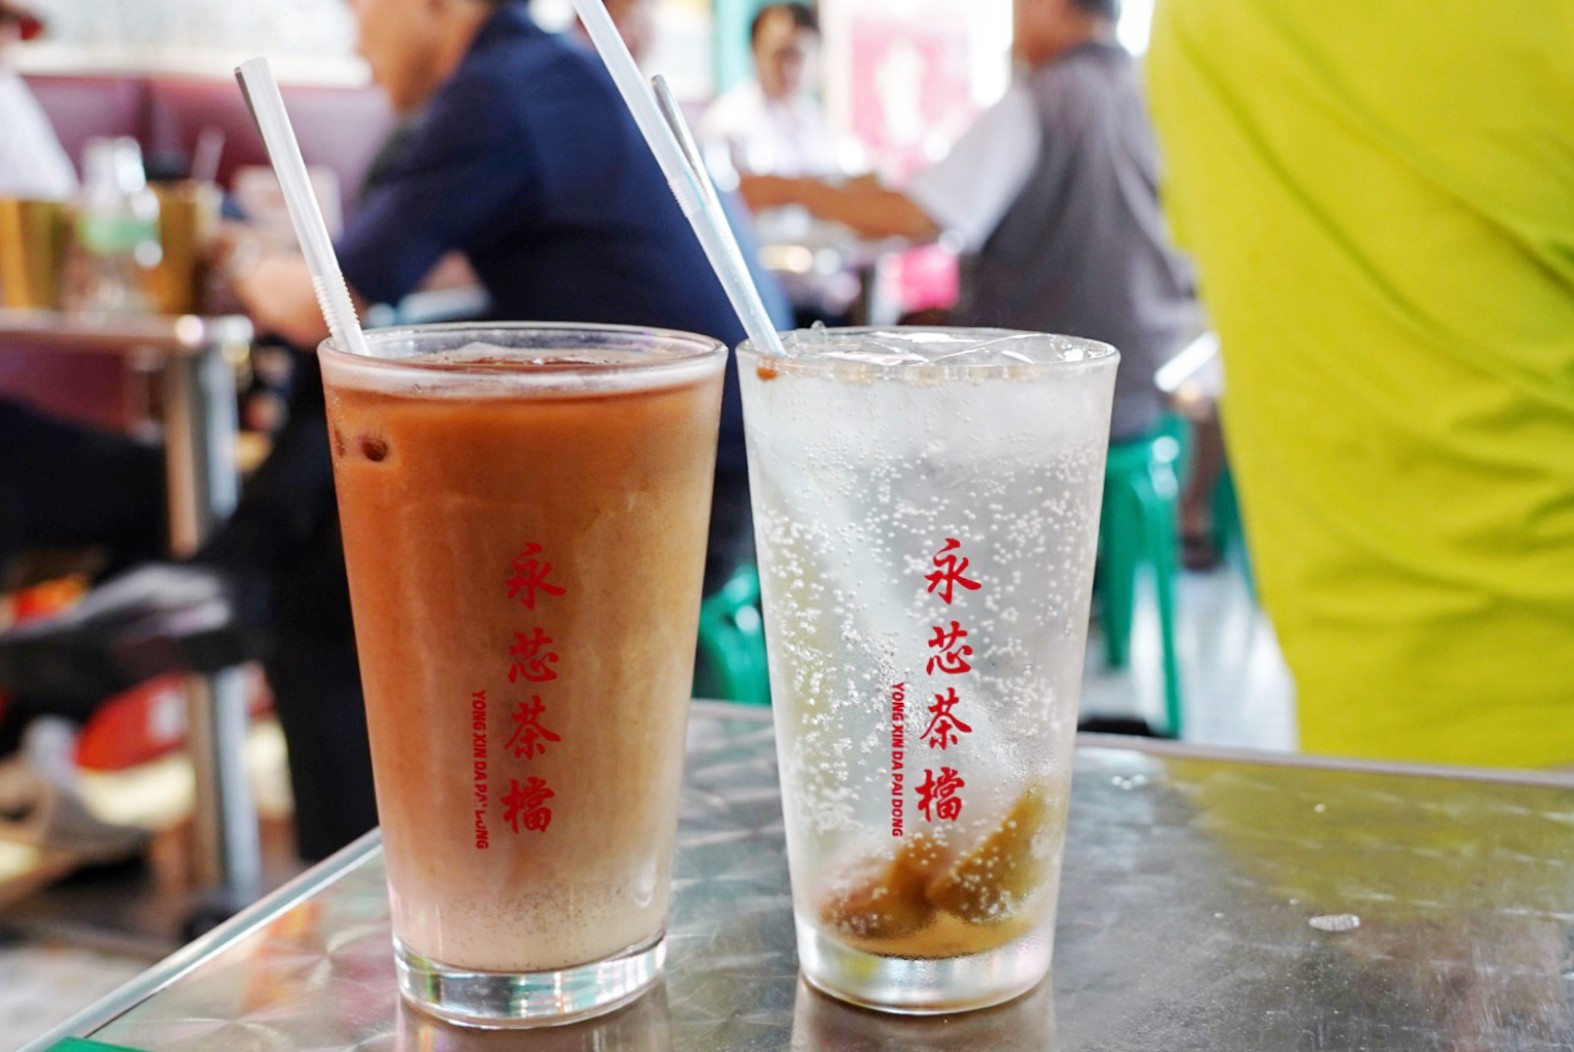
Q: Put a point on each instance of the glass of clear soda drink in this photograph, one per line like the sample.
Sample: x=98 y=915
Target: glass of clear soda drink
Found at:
x=926 y=506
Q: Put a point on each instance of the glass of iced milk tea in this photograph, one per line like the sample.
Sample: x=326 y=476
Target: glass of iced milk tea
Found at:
x=524 y=511
x=926 y=508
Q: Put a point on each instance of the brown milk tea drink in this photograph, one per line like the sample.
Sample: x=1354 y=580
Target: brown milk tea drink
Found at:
x=926 y=506
x=524 y=513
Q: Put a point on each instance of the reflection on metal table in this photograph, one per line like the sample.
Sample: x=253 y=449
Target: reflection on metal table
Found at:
x=1209 y=901
x=196 y=361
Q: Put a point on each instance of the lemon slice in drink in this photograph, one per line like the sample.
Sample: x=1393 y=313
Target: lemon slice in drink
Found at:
x=883 y=897
x=993 y=881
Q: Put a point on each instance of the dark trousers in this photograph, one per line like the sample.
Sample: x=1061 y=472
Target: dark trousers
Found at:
x=65 y=485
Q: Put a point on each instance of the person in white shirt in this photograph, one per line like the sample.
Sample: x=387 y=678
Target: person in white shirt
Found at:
x=32 y=163
x=773 y=125
x=1053 y=196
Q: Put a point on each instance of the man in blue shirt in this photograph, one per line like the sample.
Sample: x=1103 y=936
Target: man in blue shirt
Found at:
x=520 y=155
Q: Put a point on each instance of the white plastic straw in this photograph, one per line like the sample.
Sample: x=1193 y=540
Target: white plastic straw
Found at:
x=690 y=182
x=333 y=295
x=672 y=113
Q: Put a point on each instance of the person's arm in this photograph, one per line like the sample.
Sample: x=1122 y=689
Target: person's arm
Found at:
x=275 y=289
x=864 y=205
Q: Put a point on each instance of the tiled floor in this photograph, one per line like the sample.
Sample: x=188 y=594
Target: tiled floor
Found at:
x=1237 y=693
x=45 y=978
x=43 y=985
x=1236 y=690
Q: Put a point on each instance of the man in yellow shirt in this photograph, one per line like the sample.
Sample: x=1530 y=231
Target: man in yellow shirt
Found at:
x=1380 y=200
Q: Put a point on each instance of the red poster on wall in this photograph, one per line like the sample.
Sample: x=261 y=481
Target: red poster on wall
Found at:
x=911 y=86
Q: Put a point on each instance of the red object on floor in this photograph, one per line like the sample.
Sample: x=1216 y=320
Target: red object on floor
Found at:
x=141 y=724
x=147 y=723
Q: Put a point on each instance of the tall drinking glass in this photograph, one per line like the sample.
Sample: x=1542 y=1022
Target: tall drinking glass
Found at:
x=926 y=507
x=524 y=512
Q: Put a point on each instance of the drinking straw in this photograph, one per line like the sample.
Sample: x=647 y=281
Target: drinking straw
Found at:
x=672 y=113
x=333 y=295
x=689 y=181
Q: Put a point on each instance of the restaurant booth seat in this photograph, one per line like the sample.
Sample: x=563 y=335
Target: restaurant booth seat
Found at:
x=338 y=128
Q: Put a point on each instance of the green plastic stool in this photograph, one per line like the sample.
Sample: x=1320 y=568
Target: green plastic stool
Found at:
x=1141 y=489
x=731 y=663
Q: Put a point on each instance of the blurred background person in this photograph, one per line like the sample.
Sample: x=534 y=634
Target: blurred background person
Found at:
x=1386 y=248
x=1053 y=194
x=32 y=163
x=774 y=124
x=48 y=469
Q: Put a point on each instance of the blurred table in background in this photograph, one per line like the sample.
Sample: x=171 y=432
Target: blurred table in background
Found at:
x=827 y=269
x=1209 y=901
x=195 y=358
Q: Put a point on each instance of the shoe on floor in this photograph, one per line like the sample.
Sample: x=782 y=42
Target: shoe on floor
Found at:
x=42 y=814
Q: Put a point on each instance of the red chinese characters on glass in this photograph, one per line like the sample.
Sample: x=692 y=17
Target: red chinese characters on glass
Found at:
x=530 y=576
x=525 y=805
x=529 y=735
x=950 y=573
x=944 y=725
x=953 y=653
x=534 y=661
x=530 y=660
x=937 y=796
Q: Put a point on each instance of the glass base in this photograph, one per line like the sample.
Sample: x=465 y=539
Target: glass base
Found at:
x=923 y=986
x=509 y=1000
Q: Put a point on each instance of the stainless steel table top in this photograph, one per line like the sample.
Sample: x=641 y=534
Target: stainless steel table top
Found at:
x=1209 y=902
x=172 y=335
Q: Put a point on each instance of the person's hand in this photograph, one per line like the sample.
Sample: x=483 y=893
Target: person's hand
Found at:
x=273 y=285
x=278 y=293
x=768 y=191
x=275 y=288
x=235 y=249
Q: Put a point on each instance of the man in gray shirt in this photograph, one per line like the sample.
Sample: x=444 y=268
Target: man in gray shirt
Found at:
x=1053 y=193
